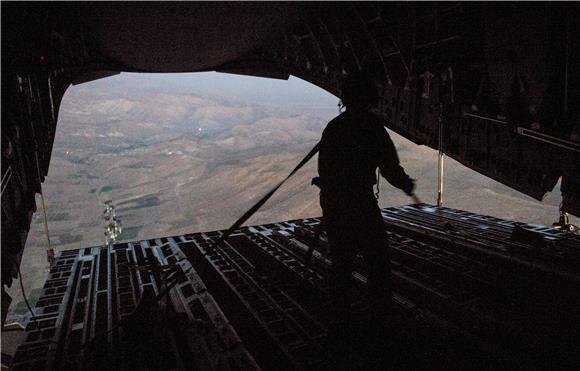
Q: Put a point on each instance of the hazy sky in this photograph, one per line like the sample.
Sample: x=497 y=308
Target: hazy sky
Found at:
x=294 y=95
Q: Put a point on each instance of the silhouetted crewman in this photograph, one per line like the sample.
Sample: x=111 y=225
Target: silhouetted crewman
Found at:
x=353 y=146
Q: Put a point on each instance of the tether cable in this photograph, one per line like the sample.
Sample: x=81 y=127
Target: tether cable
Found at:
x=248 y=214
x=49 y=249
x=32 y=315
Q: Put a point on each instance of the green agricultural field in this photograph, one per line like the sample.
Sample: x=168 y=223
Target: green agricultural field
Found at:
x=129 y=234
x=57 y=217
x=106 y=188
x=140 y=203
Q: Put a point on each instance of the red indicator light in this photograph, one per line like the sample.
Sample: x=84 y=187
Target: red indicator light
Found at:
x=42 y=58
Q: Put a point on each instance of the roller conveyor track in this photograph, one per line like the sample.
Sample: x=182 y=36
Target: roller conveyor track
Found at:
x=88 y=293
x=554 y=246
x=265 y=293
x=487 y=299
x=464 y=291
x=484 y=299
x=254 y=302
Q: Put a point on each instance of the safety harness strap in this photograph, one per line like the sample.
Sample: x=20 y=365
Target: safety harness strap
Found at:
x=262 y=201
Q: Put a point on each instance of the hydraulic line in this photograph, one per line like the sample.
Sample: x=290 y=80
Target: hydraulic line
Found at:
x=49 y=249
x=440 y=164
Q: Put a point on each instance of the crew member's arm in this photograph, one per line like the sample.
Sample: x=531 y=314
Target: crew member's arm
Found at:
x=390 y=168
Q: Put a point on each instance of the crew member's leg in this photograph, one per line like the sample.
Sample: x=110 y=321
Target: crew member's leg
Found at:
x=378 y=269
x=342 y=252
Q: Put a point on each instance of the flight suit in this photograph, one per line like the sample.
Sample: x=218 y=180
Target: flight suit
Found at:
x=353 y=145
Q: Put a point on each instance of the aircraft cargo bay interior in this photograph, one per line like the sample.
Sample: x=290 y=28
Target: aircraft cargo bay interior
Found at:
x=208 y=251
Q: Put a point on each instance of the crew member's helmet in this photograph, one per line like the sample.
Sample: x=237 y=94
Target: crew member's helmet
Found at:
x=359 y=89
